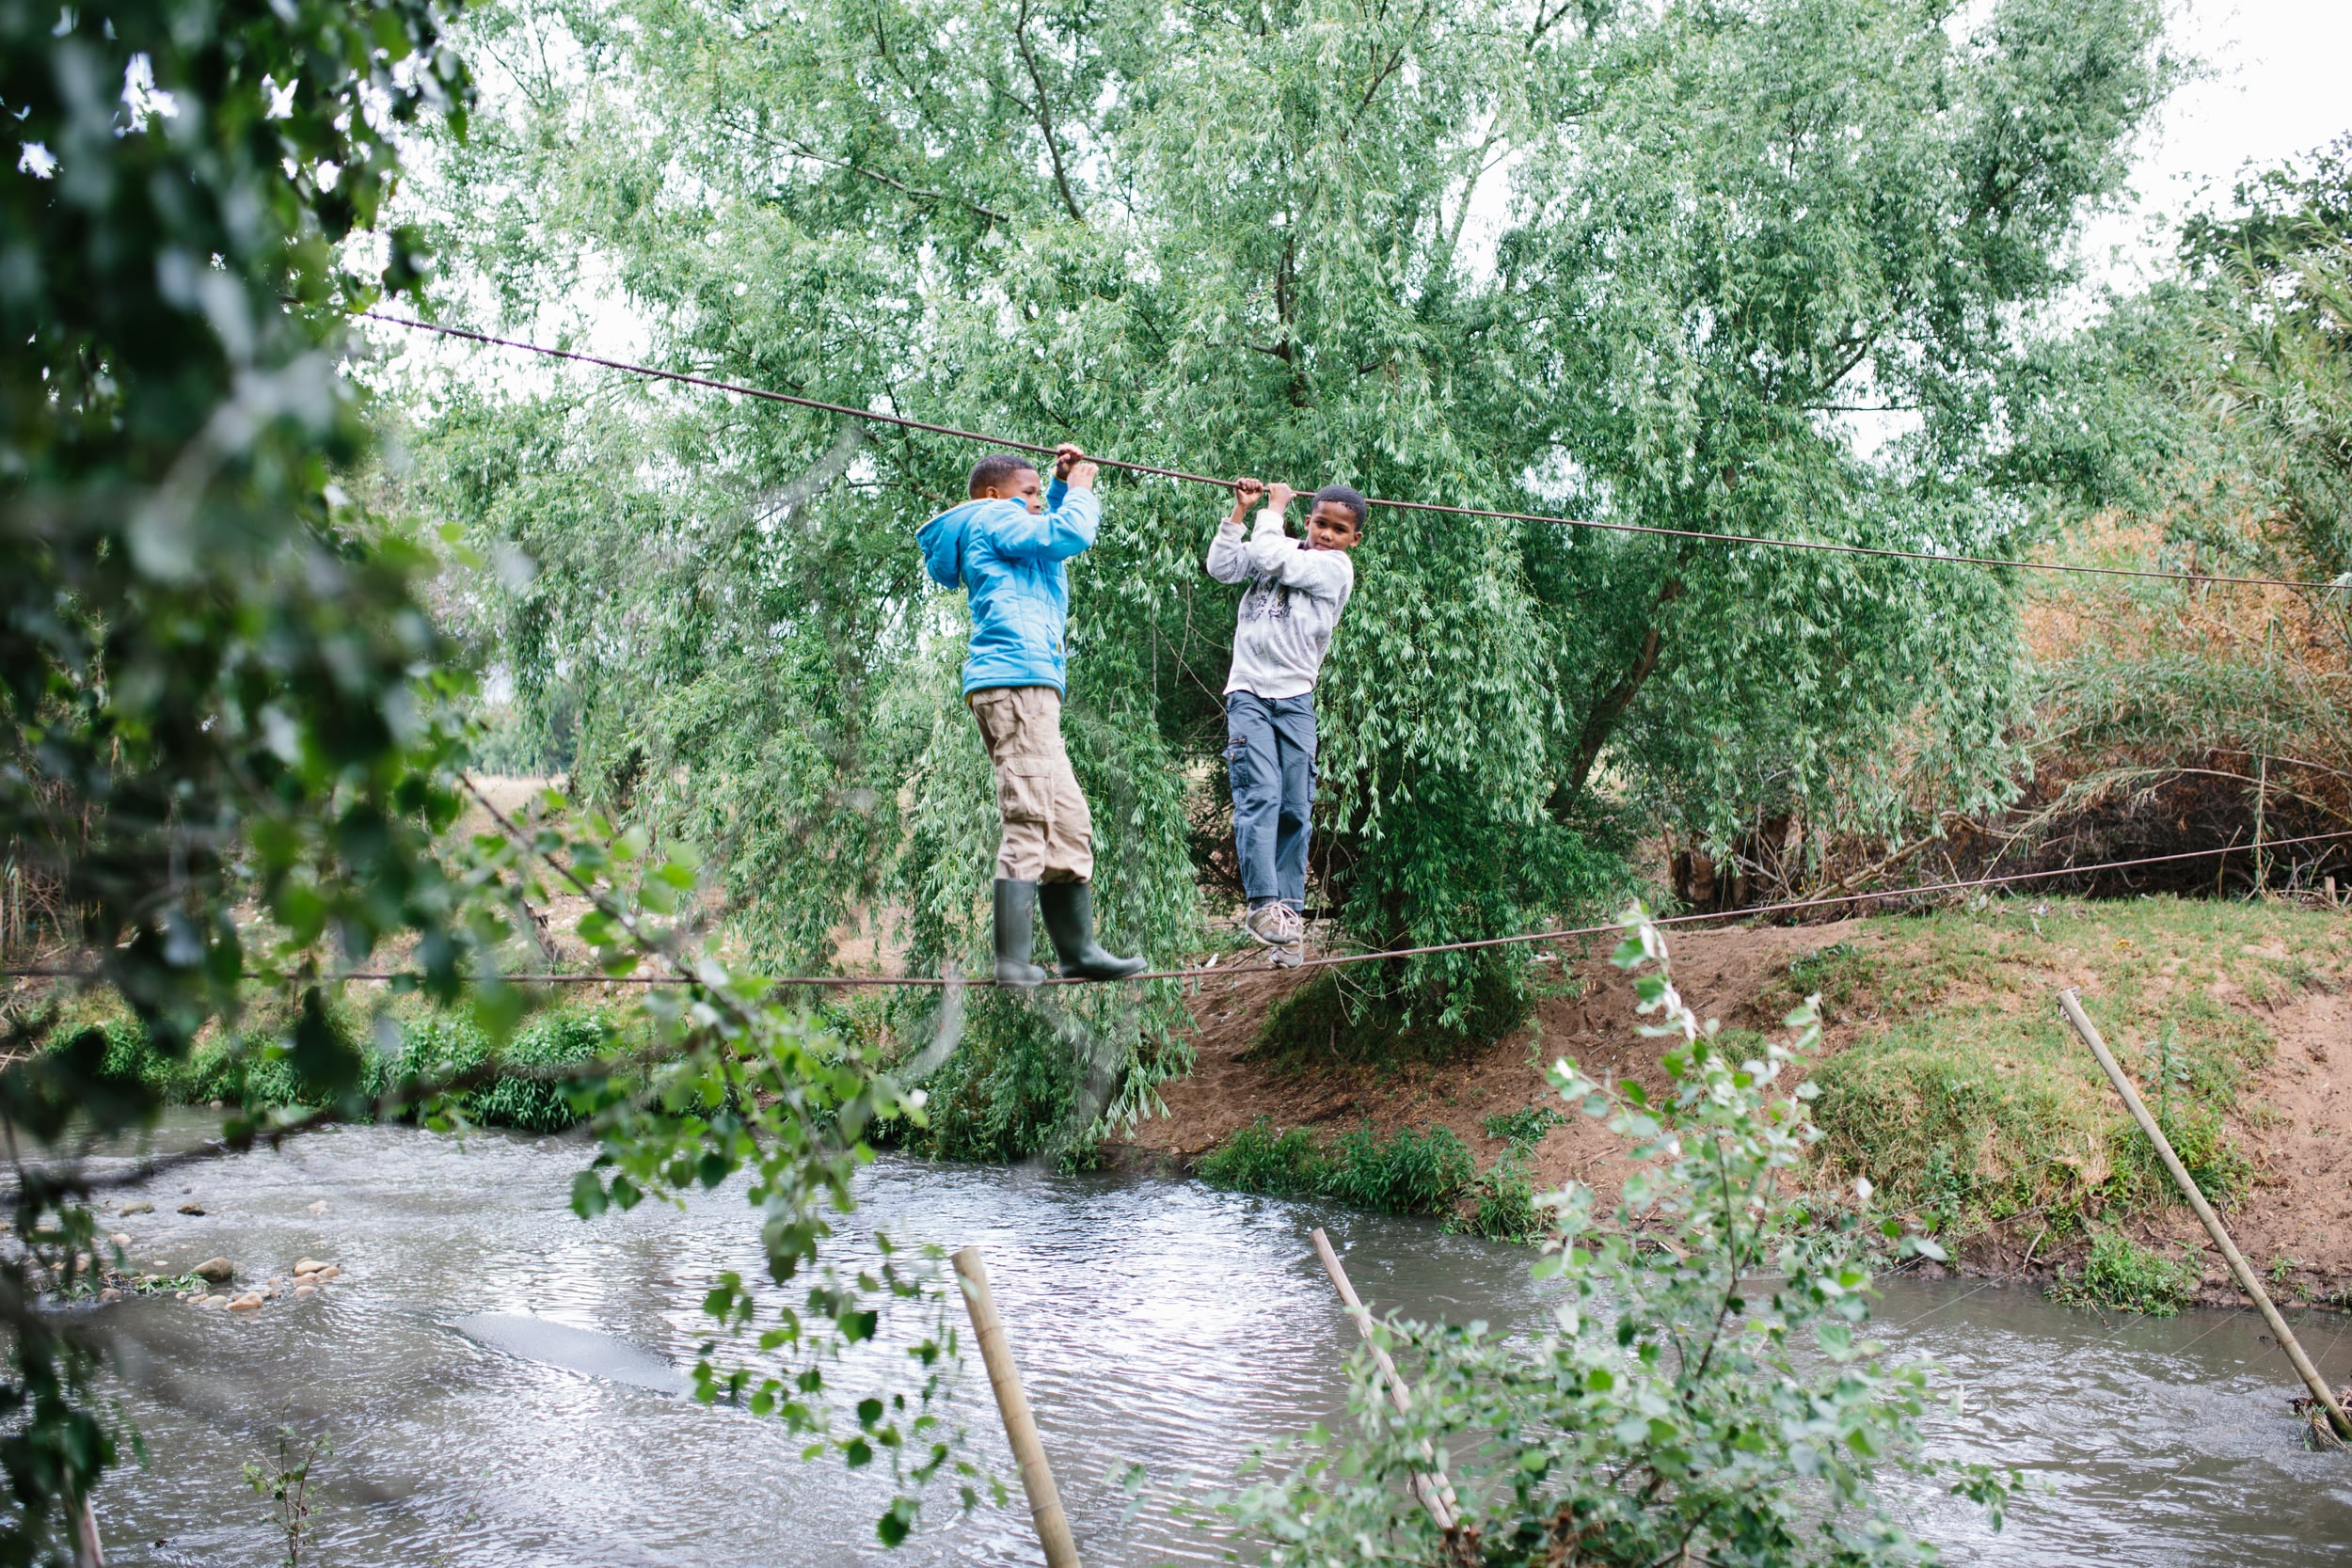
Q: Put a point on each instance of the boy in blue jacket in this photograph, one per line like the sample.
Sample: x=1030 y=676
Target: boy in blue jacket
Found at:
x=1006 y=547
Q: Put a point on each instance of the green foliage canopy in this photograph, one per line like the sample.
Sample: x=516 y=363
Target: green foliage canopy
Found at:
x=1638 y=264
x=226 y=697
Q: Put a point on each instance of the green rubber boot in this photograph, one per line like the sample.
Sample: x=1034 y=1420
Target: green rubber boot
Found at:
x=1069 y=921
x=1016 y=902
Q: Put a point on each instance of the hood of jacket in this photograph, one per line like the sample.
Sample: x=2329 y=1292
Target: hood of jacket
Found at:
x=942 y=541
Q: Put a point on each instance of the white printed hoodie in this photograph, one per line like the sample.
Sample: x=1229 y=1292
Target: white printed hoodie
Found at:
x=1293 y=604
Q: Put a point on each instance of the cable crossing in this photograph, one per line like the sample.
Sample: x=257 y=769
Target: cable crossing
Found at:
x=1006 y=443
x=928 y=982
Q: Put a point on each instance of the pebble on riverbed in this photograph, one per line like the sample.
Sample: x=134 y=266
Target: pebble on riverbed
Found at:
x=219 y=1271
x=141 y=1207
x=192 y=1209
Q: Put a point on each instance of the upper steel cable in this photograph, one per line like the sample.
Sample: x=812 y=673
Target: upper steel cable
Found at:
x=1823 y=546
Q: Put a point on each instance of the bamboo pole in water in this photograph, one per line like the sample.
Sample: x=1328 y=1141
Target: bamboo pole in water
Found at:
x=1053 y=1527
x=88 y=1553
x=2073 y=1004
x=1430 y=1486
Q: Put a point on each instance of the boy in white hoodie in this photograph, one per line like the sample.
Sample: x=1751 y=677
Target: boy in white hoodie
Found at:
x=1297 y=587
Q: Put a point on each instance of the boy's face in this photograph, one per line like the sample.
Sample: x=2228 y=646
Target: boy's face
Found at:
x=1332 y=525
x=1025 y=486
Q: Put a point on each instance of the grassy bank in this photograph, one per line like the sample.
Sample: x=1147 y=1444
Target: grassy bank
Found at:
x=1965 y=1097
x=247 y=1066
x=1949 y=1079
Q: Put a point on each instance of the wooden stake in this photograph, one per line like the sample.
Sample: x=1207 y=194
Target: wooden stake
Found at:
x=1053 y=1529
x=2247 y=1282
x=88 y=1552
x=1431 y=1487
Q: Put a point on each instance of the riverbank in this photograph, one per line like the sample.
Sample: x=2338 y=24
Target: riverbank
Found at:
x=1947 y=1077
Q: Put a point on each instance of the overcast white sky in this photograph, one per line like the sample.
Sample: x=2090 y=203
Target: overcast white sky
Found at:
x=2277 y=86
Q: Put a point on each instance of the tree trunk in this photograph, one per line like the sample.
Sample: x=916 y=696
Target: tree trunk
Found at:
x=1603 y=722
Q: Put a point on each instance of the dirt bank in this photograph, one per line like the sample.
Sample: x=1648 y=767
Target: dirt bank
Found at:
x=1943 y=1062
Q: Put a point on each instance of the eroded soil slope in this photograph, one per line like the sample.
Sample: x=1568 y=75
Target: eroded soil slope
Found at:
x=1949 y=1077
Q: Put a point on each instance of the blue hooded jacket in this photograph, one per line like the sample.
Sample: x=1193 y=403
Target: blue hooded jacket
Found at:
x=1010 y=560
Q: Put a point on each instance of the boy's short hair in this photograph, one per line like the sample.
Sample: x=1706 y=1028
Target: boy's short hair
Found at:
x=1346 y=497
x=996 y=470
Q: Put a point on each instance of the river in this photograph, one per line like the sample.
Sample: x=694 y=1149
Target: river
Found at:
x=1157 y=1323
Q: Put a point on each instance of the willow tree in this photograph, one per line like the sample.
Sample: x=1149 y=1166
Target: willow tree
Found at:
x=2212 y=412
x=1676 y=265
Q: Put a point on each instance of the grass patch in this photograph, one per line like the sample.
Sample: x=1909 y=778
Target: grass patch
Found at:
x=1406 y=1173
x=1506 y=1209
x=1967 y=1100
x=2119 y=1272
x=1259 y=1159
x=1524 y=1128
x=249 y=1067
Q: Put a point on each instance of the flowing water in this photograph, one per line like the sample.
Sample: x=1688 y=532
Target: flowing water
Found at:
x=496 y=1381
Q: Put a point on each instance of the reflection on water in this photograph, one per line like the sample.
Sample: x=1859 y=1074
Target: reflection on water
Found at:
x=1155 y=1322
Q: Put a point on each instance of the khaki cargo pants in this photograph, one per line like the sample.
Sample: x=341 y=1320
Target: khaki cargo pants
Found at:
x=1049 y=834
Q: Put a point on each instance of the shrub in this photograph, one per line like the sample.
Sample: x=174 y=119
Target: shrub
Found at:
x=1005 y=1094
x=1524 y=1128
x=2120 y=1272
x=1411 y=1173
x=1257 y=1159
x=1323 y=1020
x=1505 y=1210
x=1713 y=1402
x=248 y=1068
x=443 y=1046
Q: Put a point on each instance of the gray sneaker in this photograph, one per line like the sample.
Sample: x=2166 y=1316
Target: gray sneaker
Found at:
x=1275 y=925
x=1286 y=954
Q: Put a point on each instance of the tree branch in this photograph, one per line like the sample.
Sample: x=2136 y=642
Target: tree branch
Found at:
x=801 y=150
x=1045 y=114
x=1610 y=708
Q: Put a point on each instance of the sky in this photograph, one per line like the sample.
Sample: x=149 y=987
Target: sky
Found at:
x=2275 y=87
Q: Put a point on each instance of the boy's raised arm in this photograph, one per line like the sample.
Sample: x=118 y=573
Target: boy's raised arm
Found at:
x=1229 y=557
x=1272 y=553
x=1072 y=516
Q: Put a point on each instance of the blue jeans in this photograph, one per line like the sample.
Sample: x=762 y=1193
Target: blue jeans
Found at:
x=1270 y=760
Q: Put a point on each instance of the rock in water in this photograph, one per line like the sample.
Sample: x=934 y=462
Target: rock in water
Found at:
x=309 y=1266
x=192 y=1208
x=218 y=1269
x=319 y=1208
x=141 y=1207
x=575 y=1350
